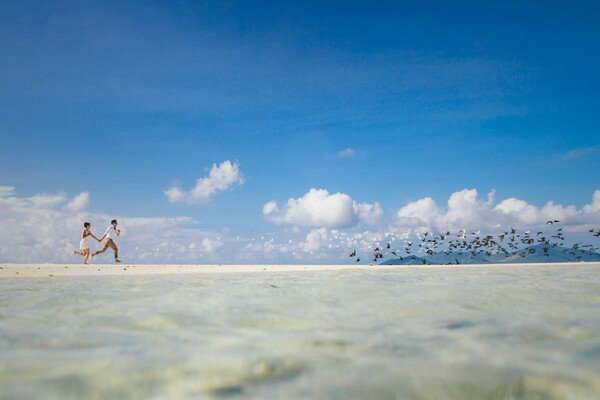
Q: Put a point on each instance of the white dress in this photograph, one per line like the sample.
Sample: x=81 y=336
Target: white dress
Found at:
x=83 y=243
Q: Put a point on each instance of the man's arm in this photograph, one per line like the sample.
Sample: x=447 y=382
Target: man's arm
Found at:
x=103 y=236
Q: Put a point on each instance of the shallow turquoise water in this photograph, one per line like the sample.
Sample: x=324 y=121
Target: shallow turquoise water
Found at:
x=511 y=332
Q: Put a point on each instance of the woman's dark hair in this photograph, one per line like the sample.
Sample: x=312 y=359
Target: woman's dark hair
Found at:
x=86 y=224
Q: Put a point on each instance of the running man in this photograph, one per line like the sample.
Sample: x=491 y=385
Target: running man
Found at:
x=109 y=237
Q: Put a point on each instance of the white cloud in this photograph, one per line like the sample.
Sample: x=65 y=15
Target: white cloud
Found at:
x=46 y=200
x=79 y=202
x=582 y=152
x=423 y=212
x=6 y=191
x=32 y=227
x=369 y=214
x=318 y=208
x=465 y=210
x=520 y=208
x=346 y=153
x=211 y=245
x=42 y=228
x=594 y=206
x=47 y=227
x=219 y=178
x=42 y=200
x=316 y=239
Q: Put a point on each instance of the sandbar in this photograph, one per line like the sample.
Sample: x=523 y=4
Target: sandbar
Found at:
x=59 y=270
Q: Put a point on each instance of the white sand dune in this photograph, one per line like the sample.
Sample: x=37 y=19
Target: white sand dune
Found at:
x=56 y=270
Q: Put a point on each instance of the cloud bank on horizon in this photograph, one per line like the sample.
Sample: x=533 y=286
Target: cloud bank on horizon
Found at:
x=349 y=123
x=465 y=210
x=317 y=227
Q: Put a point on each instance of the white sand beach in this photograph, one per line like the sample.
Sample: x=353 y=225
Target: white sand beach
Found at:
x=123 y=269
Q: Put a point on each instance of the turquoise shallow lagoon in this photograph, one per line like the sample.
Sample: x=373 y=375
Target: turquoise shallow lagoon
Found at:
x=513 y=332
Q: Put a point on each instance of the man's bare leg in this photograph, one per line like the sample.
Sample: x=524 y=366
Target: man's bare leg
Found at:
x=102 y=250
x=113 y=246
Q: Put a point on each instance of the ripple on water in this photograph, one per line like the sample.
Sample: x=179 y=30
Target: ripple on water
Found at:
x=495 y=333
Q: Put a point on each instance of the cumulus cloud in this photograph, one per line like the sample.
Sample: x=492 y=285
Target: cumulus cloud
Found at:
x=32 y=226
x=346 y=153
x=211 y=245
x=220 y=178
x=46 y=200
x=594 y=206
x=316 y=239
x=318 y=208
x=466 y=210
x=47 y=227
x=369 y=214
x=42 y=228
x=79 y=202
x=6 y=191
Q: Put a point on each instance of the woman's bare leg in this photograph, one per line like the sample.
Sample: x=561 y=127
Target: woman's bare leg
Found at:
x=86 y=253
x=78 y=253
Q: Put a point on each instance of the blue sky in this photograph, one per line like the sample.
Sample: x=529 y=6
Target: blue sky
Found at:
x=125 y=100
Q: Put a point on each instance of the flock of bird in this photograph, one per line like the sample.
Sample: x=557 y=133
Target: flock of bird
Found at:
x=472 y=244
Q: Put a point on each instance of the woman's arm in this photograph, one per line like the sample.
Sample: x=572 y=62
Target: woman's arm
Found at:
x=92 y=235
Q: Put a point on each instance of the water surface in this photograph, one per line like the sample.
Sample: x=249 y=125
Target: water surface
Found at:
x=512 y=332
